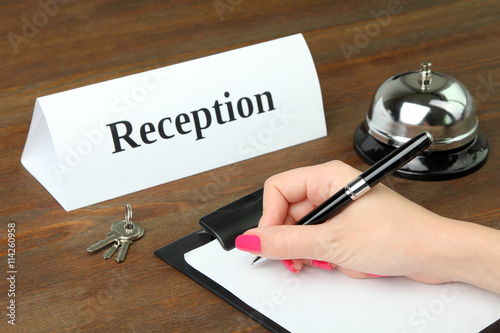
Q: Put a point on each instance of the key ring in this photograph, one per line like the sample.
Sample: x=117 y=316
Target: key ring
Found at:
x=122 y=234
x=128 y=217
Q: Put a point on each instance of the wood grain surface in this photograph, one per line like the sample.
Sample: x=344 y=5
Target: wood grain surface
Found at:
x=50 y=46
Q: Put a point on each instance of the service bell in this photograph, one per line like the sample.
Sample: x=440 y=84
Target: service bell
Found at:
x=417 y=101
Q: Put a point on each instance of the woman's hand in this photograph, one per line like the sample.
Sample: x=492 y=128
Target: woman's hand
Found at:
x=381 y=234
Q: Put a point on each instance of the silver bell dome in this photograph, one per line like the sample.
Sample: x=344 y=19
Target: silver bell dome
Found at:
x=413 y=102
x=410 y=103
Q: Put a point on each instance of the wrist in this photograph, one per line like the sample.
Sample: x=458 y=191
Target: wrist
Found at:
x=468 y=252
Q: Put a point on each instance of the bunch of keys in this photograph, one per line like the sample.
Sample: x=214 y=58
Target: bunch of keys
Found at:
x=122 y=234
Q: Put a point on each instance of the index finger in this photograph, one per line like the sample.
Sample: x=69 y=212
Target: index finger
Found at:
x=290 y=195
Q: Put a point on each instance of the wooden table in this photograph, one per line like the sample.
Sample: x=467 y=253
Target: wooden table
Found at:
x=49 y=47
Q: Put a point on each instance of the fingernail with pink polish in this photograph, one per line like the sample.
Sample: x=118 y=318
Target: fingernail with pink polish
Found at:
x=248 y=243
x=289 y=265
x=322 y=264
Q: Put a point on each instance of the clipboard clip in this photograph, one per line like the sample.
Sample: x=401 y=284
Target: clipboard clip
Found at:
x=230 y=221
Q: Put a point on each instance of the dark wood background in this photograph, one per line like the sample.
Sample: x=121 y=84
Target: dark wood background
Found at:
x=60 y=287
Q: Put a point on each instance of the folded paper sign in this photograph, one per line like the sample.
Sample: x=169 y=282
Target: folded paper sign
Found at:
x=112 y=138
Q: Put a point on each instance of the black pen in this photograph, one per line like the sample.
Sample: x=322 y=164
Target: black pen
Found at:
x=368 y=179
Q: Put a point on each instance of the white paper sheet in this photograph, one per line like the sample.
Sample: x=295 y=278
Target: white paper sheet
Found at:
x=315 y=300
x=72 y=152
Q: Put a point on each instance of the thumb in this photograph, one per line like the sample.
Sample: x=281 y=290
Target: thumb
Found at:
x=284 y=242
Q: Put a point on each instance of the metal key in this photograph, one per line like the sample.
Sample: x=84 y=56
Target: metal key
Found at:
x=122 y=252
x=133 y=231
x=109 y=252
x=111 y=237
x=129 y=232
x=122 y=233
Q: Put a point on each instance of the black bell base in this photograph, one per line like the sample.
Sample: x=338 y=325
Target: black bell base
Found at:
x=433 y=165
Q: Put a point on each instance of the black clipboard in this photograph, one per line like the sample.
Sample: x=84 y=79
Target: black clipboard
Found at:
x=221 y=225
x=225 y=224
